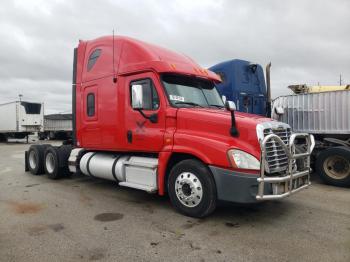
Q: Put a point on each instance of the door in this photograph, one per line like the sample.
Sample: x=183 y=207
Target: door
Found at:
x=144 y=119
x=90 y=132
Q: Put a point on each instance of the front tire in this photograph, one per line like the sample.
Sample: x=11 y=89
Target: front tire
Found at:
x=192 y=189
x=333 y=166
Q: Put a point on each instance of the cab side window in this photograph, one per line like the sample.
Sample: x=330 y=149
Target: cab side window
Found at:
x=93 y=59
x=143 y=95
x=90 y=104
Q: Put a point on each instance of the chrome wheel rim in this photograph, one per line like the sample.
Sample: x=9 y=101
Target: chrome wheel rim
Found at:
x=50 y=162
x=337 y=167
x=188 y=189
x=32 y=160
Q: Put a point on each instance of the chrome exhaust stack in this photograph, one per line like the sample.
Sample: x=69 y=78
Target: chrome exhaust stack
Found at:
x=268 y=90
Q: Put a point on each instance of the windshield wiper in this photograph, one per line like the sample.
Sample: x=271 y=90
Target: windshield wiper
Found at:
x=218 y=106
x=187 y=103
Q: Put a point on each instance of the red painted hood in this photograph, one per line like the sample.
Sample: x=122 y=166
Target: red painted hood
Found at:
x=213 y=125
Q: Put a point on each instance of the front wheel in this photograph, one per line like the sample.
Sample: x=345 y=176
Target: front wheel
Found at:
x=192 y=189
x=333 y=166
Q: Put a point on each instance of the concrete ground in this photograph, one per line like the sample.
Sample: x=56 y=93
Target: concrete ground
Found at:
x=81 y=219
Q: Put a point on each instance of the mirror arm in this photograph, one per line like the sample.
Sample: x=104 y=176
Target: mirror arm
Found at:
x=153 y=118
x=233 y=130
x=230 y=106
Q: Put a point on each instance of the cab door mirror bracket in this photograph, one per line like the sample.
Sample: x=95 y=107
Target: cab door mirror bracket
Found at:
x=153 y=118
x=231 y=106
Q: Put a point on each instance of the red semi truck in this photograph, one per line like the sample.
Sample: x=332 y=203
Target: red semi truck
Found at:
x=152 y=119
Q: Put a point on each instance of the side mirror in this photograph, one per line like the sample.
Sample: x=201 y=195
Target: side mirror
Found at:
x=224 y=99
x=279 y=110
x=137 y=96
x=138 y=104
x=230 y=106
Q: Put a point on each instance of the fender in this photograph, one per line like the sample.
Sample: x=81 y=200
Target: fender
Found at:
x=162 y=165
x=163 y=161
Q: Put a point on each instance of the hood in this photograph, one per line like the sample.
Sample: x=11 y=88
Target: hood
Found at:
x=215 y=124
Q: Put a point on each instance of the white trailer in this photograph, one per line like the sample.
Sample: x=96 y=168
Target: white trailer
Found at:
x=18 y=119
x=57 y=126
x=326 y=115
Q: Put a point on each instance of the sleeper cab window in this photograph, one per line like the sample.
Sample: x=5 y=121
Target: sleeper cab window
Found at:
x=143 y=95
x=93 y=58
x=90 y=104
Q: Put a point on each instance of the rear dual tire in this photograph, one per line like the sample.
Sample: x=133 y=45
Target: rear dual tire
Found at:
x=48 y=159
x=56 y=161
x=35 y=158
x=192 y=189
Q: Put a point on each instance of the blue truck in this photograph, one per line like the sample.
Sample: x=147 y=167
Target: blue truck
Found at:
x=243 y=83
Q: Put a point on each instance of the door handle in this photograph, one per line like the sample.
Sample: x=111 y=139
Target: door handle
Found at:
x=129 y=136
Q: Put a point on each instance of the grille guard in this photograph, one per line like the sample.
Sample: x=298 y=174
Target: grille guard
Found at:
x=290 y=181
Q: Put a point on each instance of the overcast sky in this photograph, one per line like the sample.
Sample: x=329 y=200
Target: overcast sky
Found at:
x=306 y=41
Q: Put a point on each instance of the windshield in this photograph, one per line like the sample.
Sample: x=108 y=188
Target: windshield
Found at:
x=185 y=91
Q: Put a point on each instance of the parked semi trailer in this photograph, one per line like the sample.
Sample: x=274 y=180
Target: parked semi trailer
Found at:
x=326 y=116
x=57 y=126
x=151 y=119
x=18 y=119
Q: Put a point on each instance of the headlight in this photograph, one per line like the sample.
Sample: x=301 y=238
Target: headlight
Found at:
x=241 y=159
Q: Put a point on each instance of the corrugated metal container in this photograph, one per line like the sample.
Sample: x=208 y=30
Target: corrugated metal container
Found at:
x=315 y=113
x=58 y=122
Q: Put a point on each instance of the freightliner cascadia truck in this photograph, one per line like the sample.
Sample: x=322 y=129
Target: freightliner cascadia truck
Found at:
x=151 y=119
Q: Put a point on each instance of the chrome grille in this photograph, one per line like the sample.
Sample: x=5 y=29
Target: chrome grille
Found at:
x=276 y=158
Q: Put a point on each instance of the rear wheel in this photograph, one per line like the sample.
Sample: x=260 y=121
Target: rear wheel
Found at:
x=42 y=135
x=56 y=161
x=35 y=157
x=3 y=138
x=333 y=166
x=192 y=189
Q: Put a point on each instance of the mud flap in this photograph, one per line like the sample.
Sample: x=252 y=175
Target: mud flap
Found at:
x=26 y=167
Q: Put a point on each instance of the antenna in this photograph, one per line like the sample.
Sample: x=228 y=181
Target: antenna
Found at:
x=340 y=80
x=114 y=76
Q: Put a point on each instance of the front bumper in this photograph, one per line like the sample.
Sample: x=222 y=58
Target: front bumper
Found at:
x=248 y=188
x=236 y=187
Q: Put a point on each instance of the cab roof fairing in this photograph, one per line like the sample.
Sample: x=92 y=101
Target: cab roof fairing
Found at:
x=131 y=55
